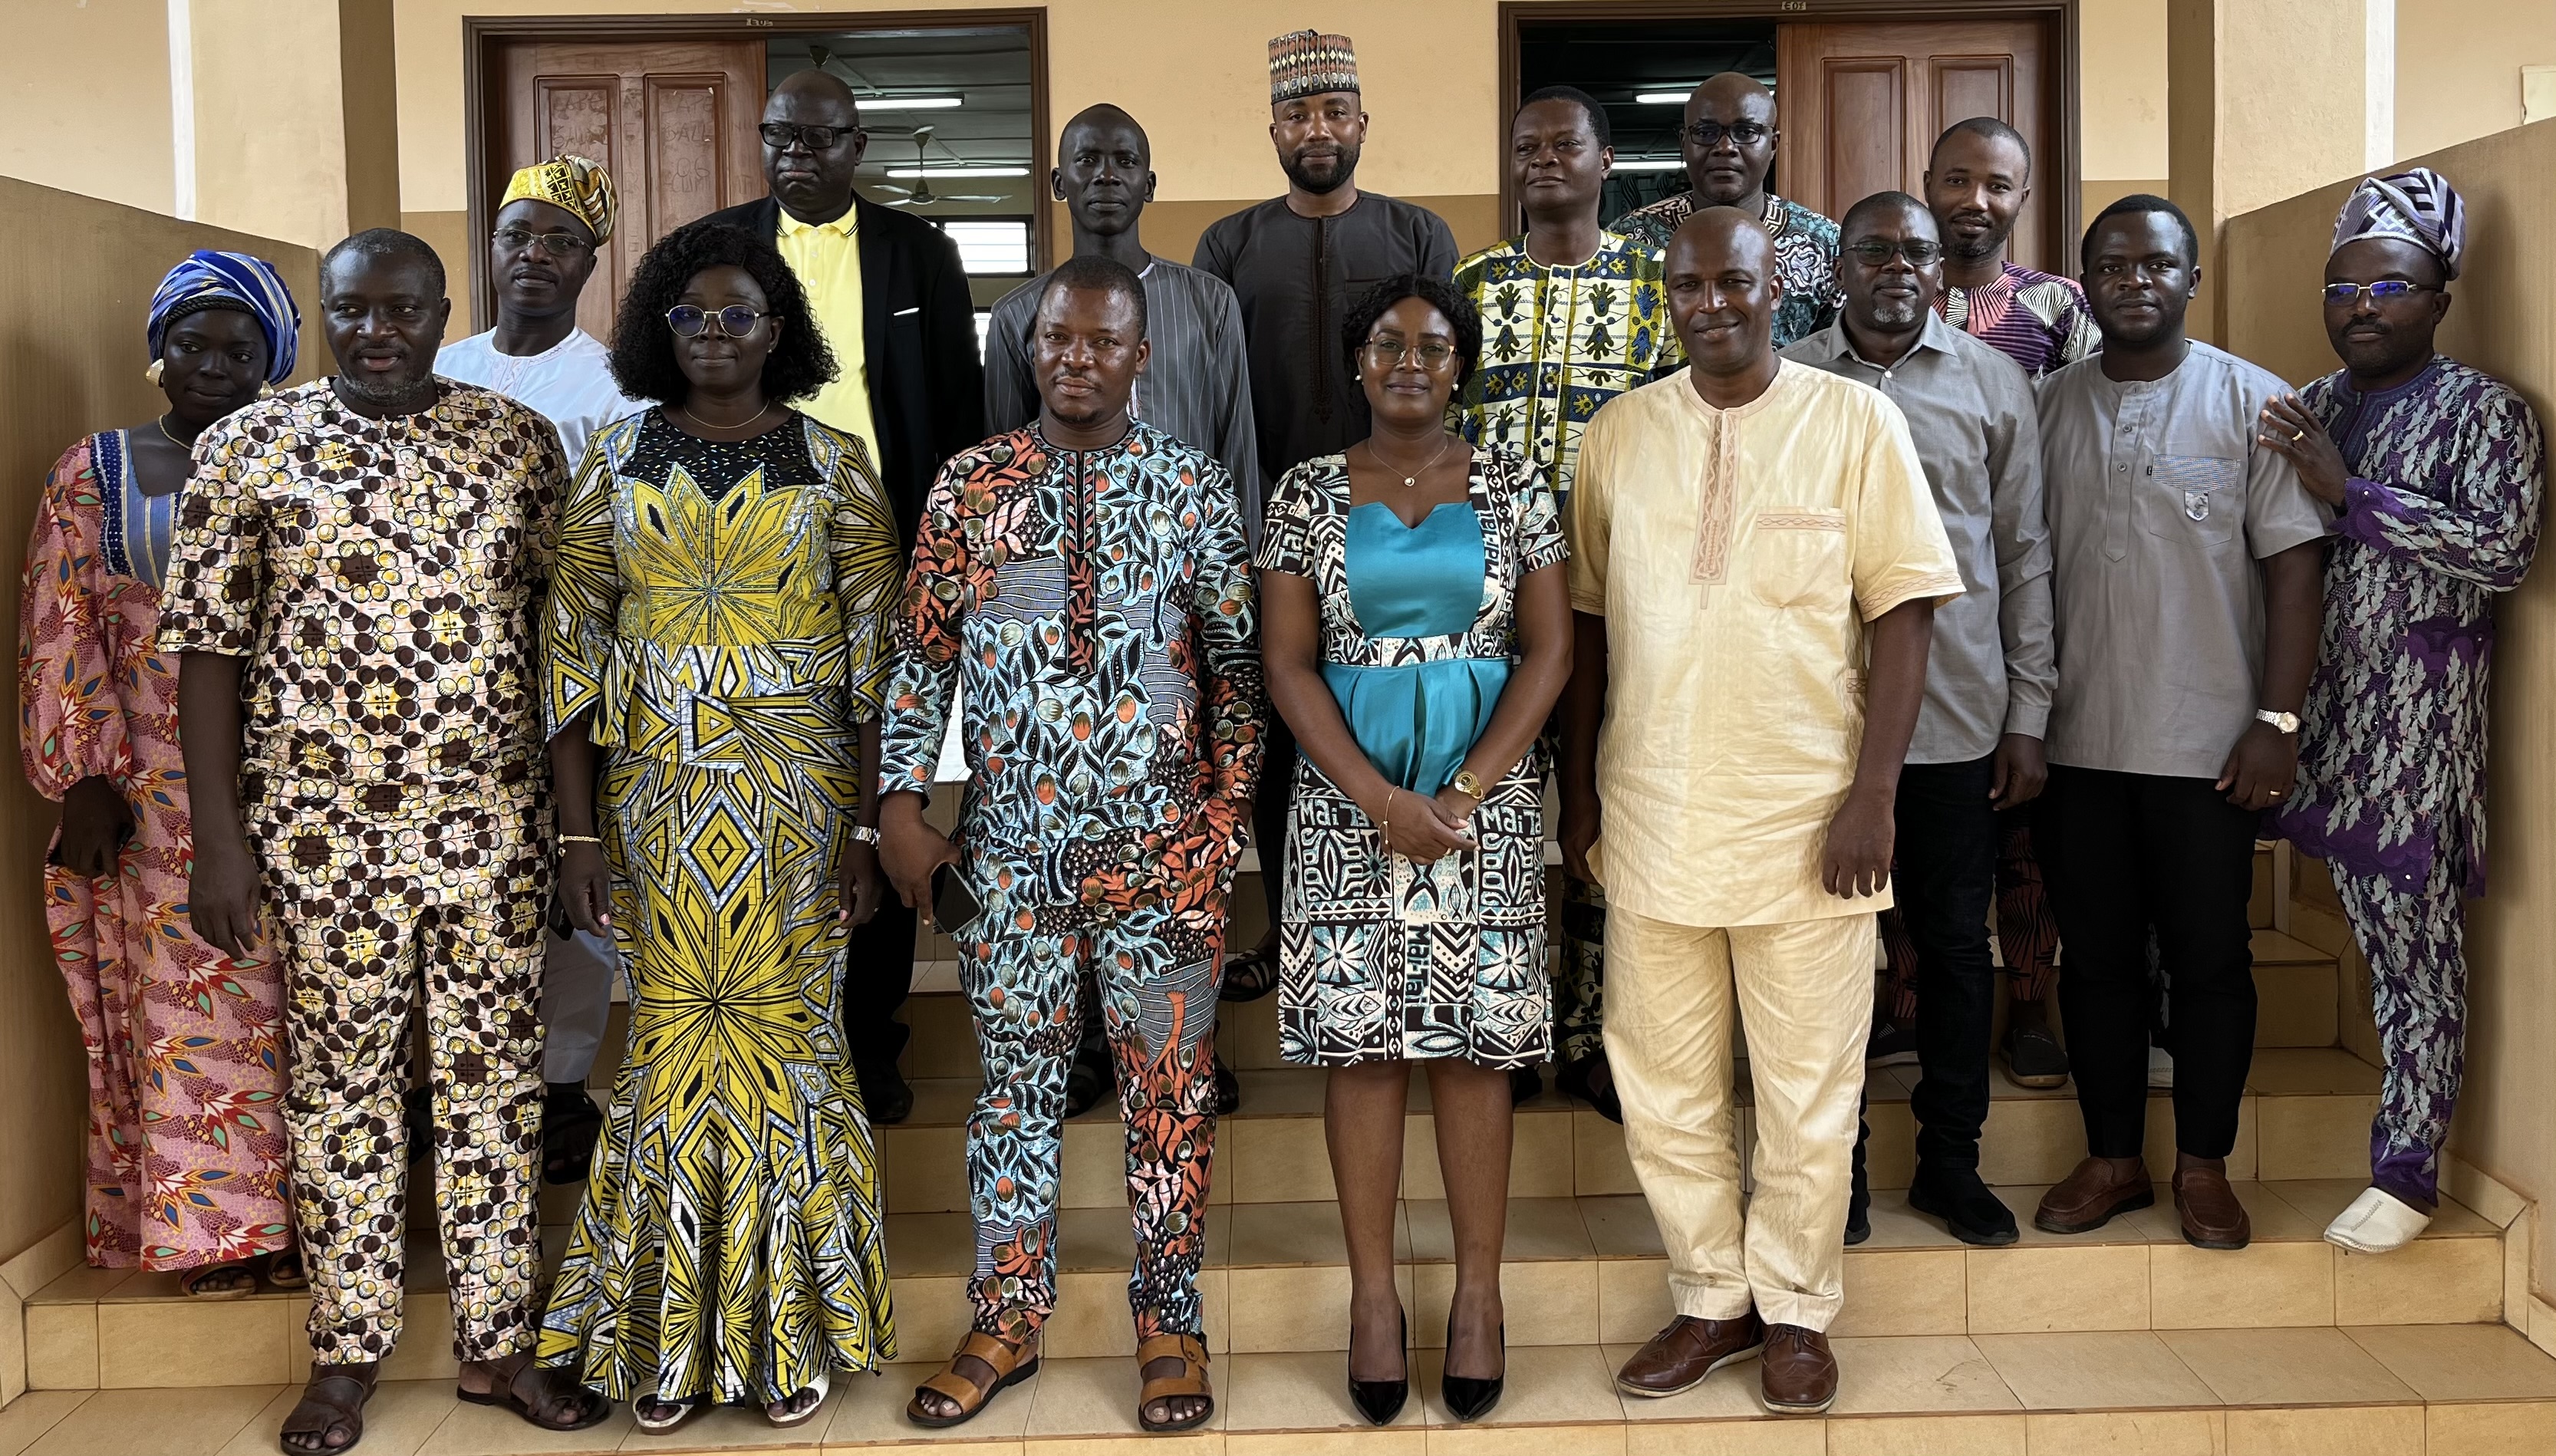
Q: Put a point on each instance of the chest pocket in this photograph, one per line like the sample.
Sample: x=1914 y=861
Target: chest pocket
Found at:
x=1796 y=557
x=2198 y=498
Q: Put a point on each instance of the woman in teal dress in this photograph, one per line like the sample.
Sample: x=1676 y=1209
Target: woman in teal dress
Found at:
x=1416 y=630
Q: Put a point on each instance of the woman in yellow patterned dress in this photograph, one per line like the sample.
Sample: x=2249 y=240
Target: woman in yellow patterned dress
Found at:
x=717 y=626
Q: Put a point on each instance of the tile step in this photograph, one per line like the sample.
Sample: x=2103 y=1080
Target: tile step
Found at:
x=1575 y=1270
x=2450 y=1391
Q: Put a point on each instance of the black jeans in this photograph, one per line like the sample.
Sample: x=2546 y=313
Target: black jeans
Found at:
x=2124 y=854
x=878 y=971
x=1943 y=879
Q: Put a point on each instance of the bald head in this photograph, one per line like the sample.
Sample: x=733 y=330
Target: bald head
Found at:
x=814 y=183
x=1723 y=291
x=817 y=85
x=1103 y=174
x=1729 y=140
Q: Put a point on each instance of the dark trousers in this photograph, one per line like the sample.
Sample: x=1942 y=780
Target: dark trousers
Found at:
x=2126 y=854
x=1269 y=811
x=1943 y=878
x=878 y=972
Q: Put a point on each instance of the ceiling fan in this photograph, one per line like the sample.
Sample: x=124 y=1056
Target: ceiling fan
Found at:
x=921 y=194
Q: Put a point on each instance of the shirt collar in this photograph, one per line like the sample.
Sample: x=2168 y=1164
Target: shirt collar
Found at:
x=848 y=225
x=1936 y=334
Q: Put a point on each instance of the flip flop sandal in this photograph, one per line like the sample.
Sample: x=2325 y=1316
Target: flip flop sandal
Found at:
x=190 y=1282
x=595 y=1408
x=329 y=1401
x=671 y=1414
x=1190 y=1351
x=569 y=1127
x=1011 y=1364
x=285 y=1271
x=786 y=1420
x=1249 y=976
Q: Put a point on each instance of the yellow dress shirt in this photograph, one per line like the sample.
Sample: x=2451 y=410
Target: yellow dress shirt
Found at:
x=826 y=256
x=1736 y=556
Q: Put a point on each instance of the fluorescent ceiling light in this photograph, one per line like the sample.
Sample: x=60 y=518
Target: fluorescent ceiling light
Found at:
x=911 y=172
x=1649 y=163
x=1663 y=99
x=911 y=103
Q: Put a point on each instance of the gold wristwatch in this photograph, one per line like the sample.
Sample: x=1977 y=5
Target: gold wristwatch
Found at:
x=1467 y=783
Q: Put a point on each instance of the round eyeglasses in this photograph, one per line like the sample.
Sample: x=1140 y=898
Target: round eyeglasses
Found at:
x=736 y=320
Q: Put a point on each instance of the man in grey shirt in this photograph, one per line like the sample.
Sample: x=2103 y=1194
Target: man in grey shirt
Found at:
x=1990 y=674
x=2186 y=583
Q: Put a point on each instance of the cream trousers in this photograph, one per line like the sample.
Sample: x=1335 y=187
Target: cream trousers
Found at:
x=1805 y=993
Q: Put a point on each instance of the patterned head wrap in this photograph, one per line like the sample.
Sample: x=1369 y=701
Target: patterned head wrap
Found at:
x=1309 y=63
x=581 y=187
x=2417 y=206
x=212 y=279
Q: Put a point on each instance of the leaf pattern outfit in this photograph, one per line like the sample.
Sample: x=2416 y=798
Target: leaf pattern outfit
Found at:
x=1093 y=609
x=186 y=1157
x=2440 y=517
x=717 y=622
x=1806 y=254
x=1381 y=957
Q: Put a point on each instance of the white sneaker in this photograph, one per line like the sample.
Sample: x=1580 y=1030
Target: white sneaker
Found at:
x=2160 y=1067
x=2379 y=1222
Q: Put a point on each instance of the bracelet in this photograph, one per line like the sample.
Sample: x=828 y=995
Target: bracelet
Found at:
x=578 y=838
x=1384 y=824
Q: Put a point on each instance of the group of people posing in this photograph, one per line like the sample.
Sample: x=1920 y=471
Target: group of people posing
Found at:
x=1819 y=564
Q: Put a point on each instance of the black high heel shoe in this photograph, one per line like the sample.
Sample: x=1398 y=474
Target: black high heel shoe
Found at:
x=1468 y=1398
x=1381 y=1400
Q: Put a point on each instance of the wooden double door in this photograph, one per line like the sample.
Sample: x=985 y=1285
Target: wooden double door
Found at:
x=674 y=120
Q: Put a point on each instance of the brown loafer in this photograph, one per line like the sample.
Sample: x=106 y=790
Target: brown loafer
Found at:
x=2208 y=1208
x=1797 y=1375
x=2089 y=1197
x=1679 y=1357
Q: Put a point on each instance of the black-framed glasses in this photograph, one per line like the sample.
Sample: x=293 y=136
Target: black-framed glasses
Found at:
x=556 y=244
x=689 y=320
x=1872 y=252
x=781 y=136
x=1433 y=353
x=1741 y=133
x=2385 y=290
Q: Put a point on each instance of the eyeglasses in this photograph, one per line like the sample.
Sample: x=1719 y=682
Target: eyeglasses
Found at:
x=736 y=320
x=2385 y=290
x=781 y=136
x=1872 y=252
x=1743 y=134
x=556 y=244
x=1432 y=354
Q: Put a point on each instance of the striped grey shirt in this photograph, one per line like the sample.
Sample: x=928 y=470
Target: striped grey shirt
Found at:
x=1196 y=385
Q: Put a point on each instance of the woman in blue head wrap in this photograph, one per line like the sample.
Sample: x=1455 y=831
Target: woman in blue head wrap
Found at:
x=186 y=1133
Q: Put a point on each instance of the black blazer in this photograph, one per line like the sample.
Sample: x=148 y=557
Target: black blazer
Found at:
x=919 y=342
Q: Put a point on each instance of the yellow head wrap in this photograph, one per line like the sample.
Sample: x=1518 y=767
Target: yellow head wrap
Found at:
x=582 y=188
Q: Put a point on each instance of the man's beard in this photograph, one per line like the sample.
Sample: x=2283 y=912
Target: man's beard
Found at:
x=1898 y=314
x=1347 y=168
x=402 y=397
x=1987 y=245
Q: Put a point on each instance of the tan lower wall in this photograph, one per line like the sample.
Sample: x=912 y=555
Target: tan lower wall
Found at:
x=2504 y=321
x=75 y=278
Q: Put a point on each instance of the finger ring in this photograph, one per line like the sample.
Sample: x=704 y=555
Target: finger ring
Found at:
x=2298 y=435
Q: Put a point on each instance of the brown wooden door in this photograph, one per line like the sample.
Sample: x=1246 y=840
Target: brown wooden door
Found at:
x=674 y=121
x=1862 y=103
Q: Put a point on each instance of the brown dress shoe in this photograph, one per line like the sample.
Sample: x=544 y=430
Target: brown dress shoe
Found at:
x=2210 y=1215
x=1797 y=1375
x=1679 y=1358
x=2089 y=1197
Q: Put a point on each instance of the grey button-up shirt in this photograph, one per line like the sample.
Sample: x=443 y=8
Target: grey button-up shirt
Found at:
x=1992 y=667
x=2160 y=505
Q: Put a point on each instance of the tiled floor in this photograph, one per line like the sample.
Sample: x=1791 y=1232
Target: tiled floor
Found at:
x=2390 y=1389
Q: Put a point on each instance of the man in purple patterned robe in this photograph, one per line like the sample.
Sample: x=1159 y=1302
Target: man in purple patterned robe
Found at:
x=2436 y=470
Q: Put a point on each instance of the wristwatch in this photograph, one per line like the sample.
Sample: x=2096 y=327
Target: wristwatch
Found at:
x=864 y=833
x=1467 y=783
x=2287 y=723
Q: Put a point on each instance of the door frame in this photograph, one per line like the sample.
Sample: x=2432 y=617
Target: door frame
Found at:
x=482 y=103
x=2062 y=86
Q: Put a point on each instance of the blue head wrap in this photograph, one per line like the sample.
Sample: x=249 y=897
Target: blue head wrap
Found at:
x=210 y=278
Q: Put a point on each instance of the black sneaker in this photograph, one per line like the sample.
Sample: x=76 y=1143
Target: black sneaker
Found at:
x=885 y=1097
x=2034 y=1057
x=1974 y=1214
x=1892 y=1044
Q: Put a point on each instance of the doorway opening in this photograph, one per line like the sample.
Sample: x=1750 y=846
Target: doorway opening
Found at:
x=1641 y=74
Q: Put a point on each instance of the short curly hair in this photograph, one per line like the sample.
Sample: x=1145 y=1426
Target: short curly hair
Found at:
x=643 y=347
x=1437 y=293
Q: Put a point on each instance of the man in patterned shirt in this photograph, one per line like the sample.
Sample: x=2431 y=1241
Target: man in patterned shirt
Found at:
x=1084 y=580
x=1729 y=141
x=1573 y=316
x=354 y=588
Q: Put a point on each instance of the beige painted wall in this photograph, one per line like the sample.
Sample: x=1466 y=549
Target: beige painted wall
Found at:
x=2504 y=321
x=2121 y=92
x=85 y=98
x=63 y=256
x=2458 y=67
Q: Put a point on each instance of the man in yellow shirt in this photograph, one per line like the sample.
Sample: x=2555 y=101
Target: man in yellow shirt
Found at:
x=891 y=294
x=1747 y=536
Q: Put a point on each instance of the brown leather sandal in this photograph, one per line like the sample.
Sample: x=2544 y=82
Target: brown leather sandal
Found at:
x=1190 y=1351
x=1011 y=1364
x=333 y=1401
